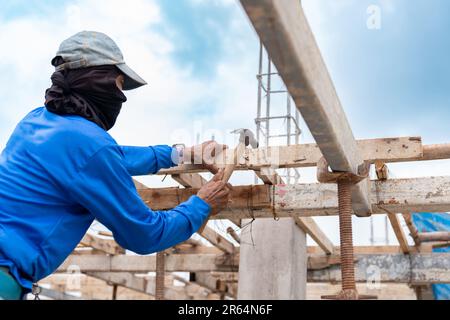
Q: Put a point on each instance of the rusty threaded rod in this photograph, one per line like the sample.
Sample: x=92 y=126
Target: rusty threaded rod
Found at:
x=160 y=275
x=346 y=235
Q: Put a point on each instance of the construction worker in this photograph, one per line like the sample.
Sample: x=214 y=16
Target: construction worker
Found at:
x=61 y=169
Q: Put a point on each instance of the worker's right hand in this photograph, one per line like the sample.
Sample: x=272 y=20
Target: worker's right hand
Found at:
x=215 y=193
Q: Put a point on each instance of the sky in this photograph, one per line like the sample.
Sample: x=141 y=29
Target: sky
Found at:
x=200 y=59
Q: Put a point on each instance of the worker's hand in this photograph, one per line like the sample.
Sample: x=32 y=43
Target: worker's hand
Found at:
x=205 y=154
x=215 y=193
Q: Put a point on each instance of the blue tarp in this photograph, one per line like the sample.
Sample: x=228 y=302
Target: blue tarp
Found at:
x=429 y=222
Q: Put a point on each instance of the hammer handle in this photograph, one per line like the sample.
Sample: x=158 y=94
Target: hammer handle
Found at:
x=228 y=171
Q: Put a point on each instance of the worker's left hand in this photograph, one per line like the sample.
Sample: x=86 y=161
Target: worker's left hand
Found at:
x=205 y=154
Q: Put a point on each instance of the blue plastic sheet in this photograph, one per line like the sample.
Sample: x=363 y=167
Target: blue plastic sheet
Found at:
x=429 y=222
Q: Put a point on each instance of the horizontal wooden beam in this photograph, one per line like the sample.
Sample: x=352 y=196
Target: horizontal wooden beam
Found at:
x=147 y=285
x=130 y=263
x=434 y=236
x=391 y=266
x=396 y=195
x=398 y=268
x=307 y=155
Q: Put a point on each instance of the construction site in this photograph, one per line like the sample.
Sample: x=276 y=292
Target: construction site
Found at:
x=269 y=244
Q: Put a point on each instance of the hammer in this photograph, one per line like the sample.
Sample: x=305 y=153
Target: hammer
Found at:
x=246 y=138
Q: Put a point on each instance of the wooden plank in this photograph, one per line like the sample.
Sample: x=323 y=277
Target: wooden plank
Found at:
x=288 y=39
x=145 y=285
x=189 y=180
x=57 y=295
x=130 y=263
x=398 y=230
x=269 y=176
x=303 y=200
x=217 y=240
x=381 y=170
x=412 y=228
x=369 y=250
x=396 y=195
x=241 y=197
x=398 y=268
x=308 y=225
x=434 y=236
x=436 y=152
x=387 y=150
x=106 y=245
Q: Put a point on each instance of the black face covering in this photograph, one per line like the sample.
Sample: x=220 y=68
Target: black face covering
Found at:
x=90 y=92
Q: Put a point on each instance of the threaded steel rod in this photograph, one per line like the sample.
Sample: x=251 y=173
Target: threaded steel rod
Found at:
x=346 y=235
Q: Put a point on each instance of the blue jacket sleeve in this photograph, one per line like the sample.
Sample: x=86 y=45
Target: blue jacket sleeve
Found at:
x=105 y=188
x=141 y=161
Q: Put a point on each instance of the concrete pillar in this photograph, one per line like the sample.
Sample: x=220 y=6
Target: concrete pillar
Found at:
x=275 y=266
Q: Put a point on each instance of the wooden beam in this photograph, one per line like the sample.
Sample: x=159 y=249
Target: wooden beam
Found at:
x=240 y=196
x=398 y=230
x=398 y=268
x=145 y=285
x=288 y=39
x=381 y=170
x=388 y=150
x=129 y=263
x=396 y=195
x=434 y=236
x=312 y=229
x=217 y=240
x=364 y=250
x=189 y=180
x=233 y=234
x=308 y=225
x=269 y=176
x=436 y=151
x=412 y=228
x=106 y=245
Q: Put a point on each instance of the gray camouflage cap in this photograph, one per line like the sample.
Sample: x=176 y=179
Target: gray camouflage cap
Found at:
x=88 y=49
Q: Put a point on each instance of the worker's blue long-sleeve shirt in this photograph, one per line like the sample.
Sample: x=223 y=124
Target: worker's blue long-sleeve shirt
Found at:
x=58 y=174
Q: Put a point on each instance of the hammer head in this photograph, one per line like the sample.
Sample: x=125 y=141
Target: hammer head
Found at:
x=247 y=137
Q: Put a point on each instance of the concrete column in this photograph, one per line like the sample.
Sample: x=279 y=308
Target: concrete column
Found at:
x=275 y=266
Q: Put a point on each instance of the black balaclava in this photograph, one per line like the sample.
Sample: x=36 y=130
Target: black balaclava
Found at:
x=91 y=93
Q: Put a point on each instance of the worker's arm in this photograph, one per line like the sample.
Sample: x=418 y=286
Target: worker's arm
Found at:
x=141 y=161
x=105 y=188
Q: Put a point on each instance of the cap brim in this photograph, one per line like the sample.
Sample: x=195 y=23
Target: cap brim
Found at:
x=132 y=79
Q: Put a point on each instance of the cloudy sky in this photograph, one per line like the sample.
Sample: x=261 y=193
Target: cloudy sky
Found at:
x=200 y=58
